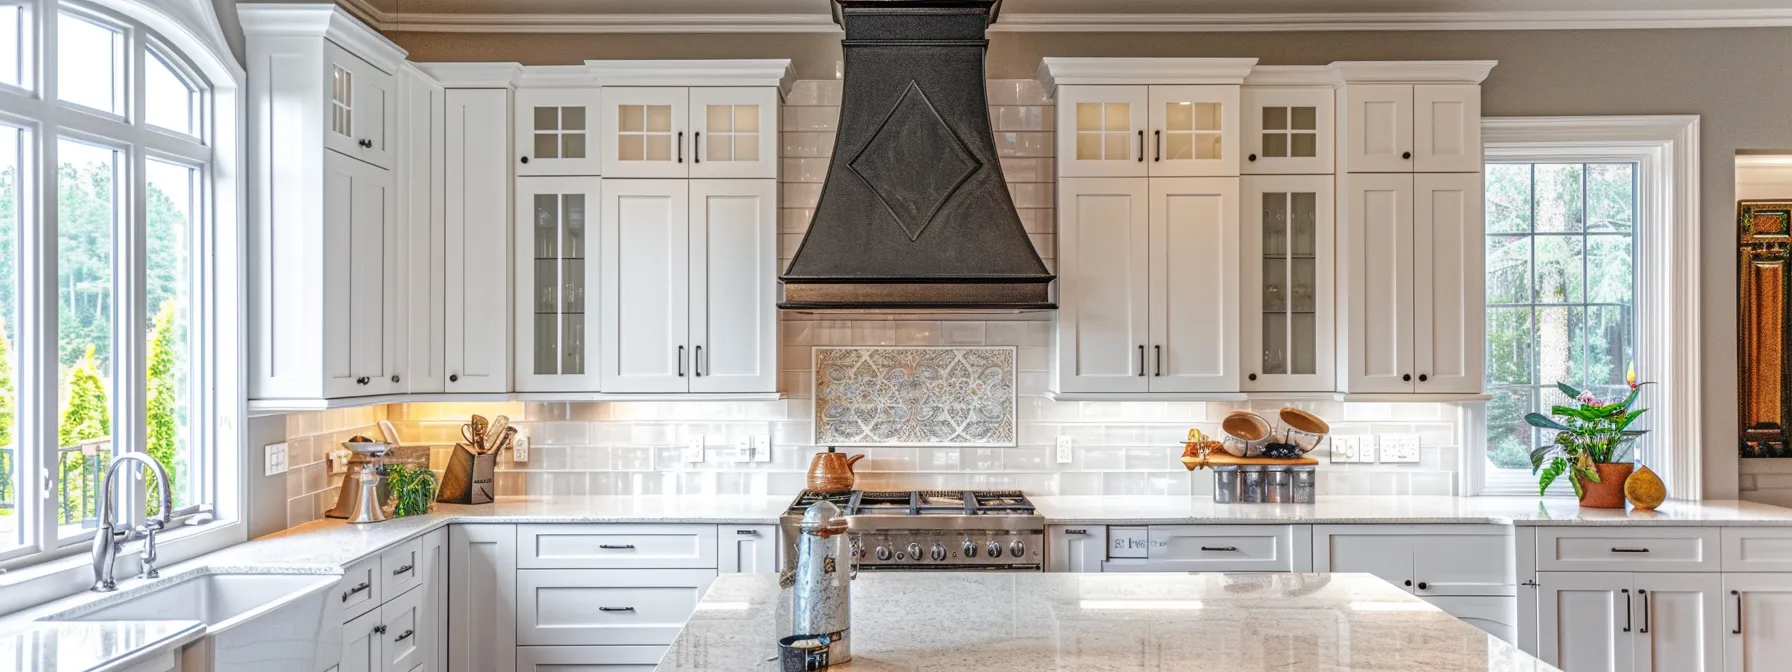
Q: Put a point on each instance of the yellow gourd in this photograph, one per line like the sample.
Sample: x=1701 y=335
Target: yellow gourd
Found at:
x=1644 y=489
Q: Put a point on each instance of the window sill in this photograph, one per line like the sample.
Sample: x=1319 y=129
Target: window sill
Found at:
x=71 y=571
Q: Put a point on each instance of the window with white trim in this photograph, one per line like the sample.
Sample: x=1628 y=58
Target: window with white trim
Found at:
x=107 y=212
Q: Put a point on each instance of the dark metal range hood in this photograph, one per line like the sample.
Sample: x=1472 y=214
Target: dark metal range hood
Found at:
x=915 y=214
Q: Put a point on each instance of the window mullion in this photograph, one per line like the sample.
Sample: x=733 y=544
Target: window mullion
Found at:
x=130 y=278
x=39 y=384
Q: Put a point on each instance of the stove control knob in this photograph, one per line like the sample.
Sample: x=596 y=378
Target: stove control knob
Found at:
x=970 y=549
x=914 y=551
x=995 y=549
x=883 y=554
x=939 y=552
x=1017 y=548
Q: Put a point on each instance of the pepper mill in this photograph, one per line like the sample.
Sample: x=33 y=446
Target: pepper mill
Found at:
x=822 y=591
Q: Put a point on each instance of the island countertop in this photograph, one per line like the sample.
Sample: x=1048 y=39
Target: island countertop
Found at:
x=1002 y=622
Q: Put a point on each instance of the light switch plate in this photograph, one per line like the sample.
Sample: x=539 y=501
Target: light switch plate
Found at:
x=762 y=448
x=1400 y=448
x=1365 y=449
x=693 y=451
x=519 y=448
x=1344 y=449
x=1064 y=456
x=276 y=459
x=743 y=450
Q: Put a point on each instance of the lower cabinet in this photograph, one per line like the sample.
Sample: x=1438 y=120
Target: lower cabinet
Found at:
x=1757 y=622
x=588 y=658
x=1466 y=570
x=606 y=606
x=747 y=549
x=1076 y=548
x=481 y=598
x=1619 y=621
x=1219 y=548
x=387 y=639
x=393 y=608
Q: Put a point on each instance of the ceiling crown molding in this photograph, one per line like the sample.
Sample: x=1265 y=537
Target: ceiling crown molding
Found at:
x=1058 y=71
x=1411 y=72
x=728 y=72
x=608 y=23
x=1371 y=21
x=473 y=75
x=1291 y=75
x=326 y=21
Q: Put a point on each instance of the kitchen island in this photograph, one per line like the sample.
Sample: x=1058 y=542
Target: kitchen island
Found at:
x=1003 y=622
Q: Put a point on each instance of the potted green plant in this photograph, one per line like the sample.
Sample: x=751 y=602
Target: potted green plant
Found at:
x=1592 y=445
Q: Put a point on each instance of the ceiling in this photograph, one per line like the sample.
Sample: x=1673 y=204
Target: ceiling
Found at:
x=1077 y=15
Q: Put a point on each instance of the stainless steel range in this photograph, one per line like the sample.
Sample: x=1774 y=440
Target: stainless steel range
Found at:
x=946 y=530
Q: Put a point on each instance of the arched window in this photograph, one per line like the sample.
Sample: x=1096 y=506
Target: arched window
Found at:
x=118 y=139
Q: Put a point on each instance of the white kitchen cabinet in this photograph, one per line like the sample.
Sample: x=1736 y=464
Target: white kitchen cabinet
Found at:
x=747 y=549
x=1101 y=131
x=646 y=324
x=1194 y=279
x=1194 y=130
x=1756 y=610
x=1221 y=548
x=556 y=284
x=361 y=296
x=1288 y=130
x=1446 y=128
x=1076 y=548
x=434 y=571
x=1412 y=282
x=1757 y=549
x=478 y=279
x=362 y=112
x=699 y=132
x=590 y=607
x=1287 y=324
x=1405 y=128
x=361 y=644
x=1426 y=560
x=734 y=132
x=1678 y=618
x=733 y=319
x=419 y=163
x=624 y=546
x=588 y=658
x=402 y=631
x=1497 y=616
x=558 y=132
x=482 y=598
x=1630 y=621
x=1104 y=300
x=647 y=126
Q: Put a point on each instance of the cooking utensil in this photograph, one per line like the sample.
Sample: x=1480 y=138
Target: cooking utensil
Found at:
x=390 y=432
x=832 y=471
x=480 y=424
x=504 y=440
x=495 y=432
x=467 y=434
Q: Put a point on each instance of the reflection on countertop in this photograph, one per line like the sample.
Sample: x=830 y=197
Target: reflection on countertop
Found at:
x=1001 y=622
x=100 y=645
x=1398 y=509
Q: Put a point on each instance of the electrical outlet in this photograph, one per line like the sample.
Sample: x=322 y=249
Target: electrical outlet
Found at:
x=1064 y=456
x=693 y=451
x=1400 y=448
x=1365 y=449
x=519 y=448
x=1344 y=449
x=762 y=448
x=276 y=459
x=743 y=451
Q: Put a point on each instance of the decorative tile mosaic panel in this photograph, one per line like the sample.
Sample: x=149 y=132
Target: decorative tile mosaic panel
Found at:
x=914 y=396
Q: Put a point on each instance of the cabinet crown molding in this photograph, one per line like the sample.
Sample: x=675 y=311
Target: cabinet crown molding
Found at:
x=734 y=72
x=1059 y=71
x=327 y=21
x=1411 y=72
x=473 y=75
x=1290 y=75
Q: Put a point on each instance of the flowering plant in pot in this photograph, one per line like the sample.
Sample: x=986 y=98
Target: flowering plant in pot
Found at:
x=1592 y=445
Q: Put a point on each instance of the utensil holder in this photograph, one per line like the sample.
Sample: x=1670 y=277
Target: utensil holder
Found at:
x=469 y=478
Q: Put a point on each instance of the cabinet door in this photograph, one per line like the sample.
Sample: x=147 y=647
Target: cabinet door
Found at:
x=478 y=216
x=747 y=549
x=482 y=595
x=598 y=607
x=1466 y=561
x=1378 y=133
x=556 y=284
x=1757 y=609
x=1288 y=326
x=434 y=572
x=558 y=132
x=588 y=658
x=1288 y=130
x=1450 y=293
x=1678 y=617
x=361 y=108
x=420 y=170
x=361 y=327
x=1586 y=621
x=1076 y=548
x=402 y=631
x=1386 y=553
x=361 y=640
x=646 y=230
x=1101 y=131
x=734 y=132
x=1103 y=284
x=1377 y=227
x=1194 y=282
x=646 y=130
x=734 y=285
x=1194 y=131
x=1447 y=128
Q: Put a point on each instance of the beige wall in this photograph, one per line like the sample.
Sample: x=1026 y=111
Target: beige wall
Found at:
x=1724 y=75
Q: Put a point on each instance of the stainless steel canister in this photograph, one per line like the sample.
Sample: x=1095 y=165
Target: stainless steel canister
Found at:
x=1250 y=484
x=1278 y=484
x=1306 y=485
x=1225 y=485
x=821 y=590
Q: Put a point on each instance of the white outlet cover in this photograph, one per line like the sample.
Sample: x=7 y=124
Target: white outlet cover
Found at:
x=762 y=448
x=1365 y=449
x=1344 y=449
x=276 y=459
x=693 y=451
x=743 y=451
x=519 y=448
x=1400 y=448
x=1064 y=455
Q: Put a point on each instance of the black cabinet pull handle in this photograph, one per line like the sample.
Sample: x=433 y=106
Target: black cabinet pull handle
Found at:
x=1220 y=548
x=747 y=532
x=697 y=362
x=616 y=547
x=525 y=159
x=681 y=361
x=454 y=378
x=1158 y=139
x=407 y=635
x=615 y=608
x=681 y=146
x=379 y=629
x=1406 y=155
x=1627 y=610
x=350 y=592
x=1645 y=595
x=1141 y=145
x=1252 y=157
x=404 y=569
x=1407 y=377
x=1619 y=549
x=697 y=147
x=1253 y=376
x=1159 y=350
x=1076 y=531
x=1141 y=351
x=1738 y=629
x=1423 y=378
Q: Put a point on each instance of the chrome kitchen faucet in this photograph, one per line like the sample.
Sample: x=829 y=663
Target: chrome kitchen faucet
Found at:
x=107 y=543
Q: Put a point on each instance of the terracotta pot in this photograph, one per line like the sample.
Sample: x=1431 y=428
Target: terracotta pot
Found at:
x=1608 y=493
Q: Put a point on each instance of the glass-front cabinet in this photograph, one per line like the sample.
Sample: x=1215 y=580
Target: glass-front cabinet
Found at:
x=1288 y=130
x=556 y=325
x=1194 y=131
x=1288 y=303
x=1155 y=131
x=558 y=132
x=700 y=132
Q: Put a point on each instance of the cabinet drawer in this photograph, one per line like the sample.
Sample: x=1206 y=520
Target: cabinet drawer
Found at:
x=1757 y=549
x=1221 y=548
x=583 y=607
x=588 y=658
x=616 y=546
x=1655 y=549
x=359 y=591
x=1464 y=561
x=400 y=567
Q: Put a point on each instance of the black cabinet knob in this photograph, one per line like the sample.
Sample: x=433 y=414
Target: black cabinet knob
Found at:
x=394 y=379
x=1406 y=155
x=454 y=378
x=1409 y=583
x=1422 y=585
x=1252 y=157
x=525 y=159
x=1253 y=376
x=1406 y=377
x=1423 y=378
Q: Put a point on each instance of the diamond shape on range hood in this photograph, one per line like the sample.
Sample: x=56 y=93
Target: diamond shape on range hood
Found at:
x=915 y=213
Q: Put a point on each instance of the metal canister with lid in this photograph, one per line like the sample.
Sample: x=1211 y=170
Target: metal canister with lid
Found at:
x=1278 y=484
x=1225 y=485
x=1250 y=484
x=1306 y=485
x=821 y=588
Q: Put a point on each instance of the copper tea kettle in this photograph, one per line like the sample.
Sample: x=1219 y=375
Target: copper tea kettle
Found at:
x=832 y=471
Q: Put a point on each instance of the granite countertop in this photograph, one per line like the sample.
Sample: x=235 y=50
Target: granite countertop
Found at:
x=99 y=646
x=1002 y=622
x=1401 y=510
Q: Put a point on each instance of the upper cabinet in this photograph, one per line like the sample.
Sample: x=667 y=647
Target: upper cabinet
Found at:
x=1287 y=323
x=1288 y=121
x=687 y=131
x=363 y=107
x=478 y=277
x=558 y=131
x=1422 y=117
x=556 y=282
x=1156 y=131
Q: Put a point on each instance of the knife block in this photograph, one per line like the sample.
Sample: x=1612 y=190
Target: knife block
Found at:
x=469 y=478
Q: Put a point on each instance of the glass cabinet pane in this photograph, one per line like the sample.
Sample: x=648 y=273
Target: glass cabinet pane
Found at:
x=1192 y=130
x=342 y=101
x=1104 y=132
x=1290 y=283
x=1290 y=132
x=560 y=234
x=559 y=132
x=731 y=133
